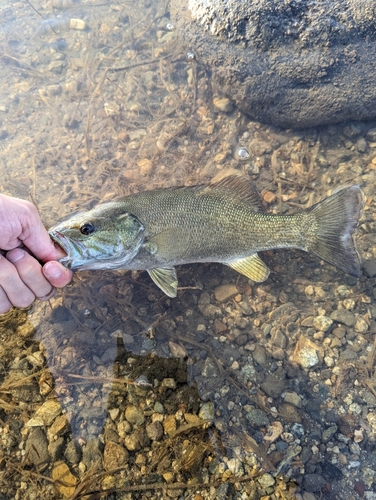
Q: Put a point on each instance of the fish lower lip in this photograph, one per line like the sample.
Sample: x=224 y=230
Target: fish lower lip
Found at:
x=60 y=240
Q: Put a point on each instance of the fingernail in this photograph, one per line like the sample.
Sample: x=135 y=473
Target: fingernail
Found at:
x=52 y=271
x=15 y=255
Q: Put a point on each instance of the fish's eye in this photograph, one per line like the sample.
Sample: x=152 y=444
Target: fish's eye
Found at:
x=87 y=228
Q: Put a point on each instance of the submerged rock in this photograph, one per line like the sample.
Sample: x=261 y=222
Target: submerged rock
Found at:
x=37 y=450
x=293 y=64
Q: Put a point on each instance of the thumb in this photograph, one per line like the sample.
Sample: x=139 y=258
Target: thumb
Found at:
x=57 y=274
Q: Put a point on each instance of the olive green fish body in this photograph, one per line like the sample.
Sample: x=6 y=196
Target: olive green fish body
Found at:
x=222 y=222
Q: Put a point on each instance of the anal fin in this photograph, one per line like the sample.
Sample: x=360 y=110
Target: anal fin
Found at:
x=252 y=267
x=165 y=279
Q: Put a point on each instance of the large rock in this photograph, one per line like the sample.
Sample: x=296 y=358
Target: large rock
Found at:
x=295 y=63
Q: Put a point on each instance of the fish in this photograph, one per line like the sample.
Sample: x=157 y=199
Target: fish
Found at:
x=223 y=221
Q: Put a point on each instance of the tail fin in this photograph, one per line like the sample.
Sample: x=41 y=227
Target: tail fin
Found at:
x=336 y=218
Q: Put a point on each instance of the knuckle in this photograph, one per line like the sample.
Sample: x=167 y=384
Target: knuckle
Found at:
x=23 y=302
x=5 y=308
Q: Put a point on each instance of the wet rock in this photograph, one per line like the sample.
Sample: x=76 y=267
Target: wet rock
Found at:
x=27 y=392
x=114 y=456
x=259 y=355
x=369 y=267
x=134 y=415
x=177 y=351
x=114 y=413
x=274 y=430
x=211 y=312
x=65 y=481
x=55 y=449
x=46 y=414
x=348 y=355
x=154 y=431
x=92 y=452
x=322 y=323
x=60 y=314
x=289 y=64
x=73 y=453
x=109 y=355
x=273 y=386
x=278 y=338
x=257 y=418
x=289 y=413
x=330 y=472
x=203 y=301
x=168 y=383
x=266 y=480
x=158 y=407
x=308 y=496
x=124 y=428
x=169 y=425
x=293 y=398
x=132 y=442
x=347 y=425
x=359 y=488
x=328 y=433
x=361 y=145
x=111 y=435
x=371 y=134
x=36 y=359
x=56 y=67
x=283 y=310
x=26 y=330
x=219 y=327
x=223 y=104
x=37 y=450
x=209 y=369
x=225 y=292
x=222 y=492
x=314 y=482
x=343 y=316
x=305 y=353
x=361 y=325
x=306 y=454
x=371 y=417
x=248 y=373
x=207 y=412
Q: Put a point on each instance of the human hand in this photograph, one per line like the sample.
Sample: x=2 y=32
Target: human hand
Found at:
x=22 y=277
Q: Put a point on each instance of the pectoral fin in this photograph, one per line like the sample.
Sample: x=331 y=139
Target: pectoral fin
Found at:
x=166 y=279
x=252 y=267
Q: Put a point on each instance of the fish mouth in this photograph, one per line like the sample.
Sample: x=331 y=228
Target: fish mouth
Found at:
x=60 y=239
x=74 y=249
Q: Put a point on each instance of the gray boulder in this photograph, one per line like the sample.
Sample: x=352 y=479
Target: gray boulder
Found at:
x=291 y=63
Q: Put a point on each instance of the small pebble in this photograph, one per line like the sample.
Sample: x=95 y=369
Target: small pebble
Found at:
x=266 y=480
x=223 y=104
x=305 y=353
x=207 y=411
x=134 y=415
x=65 y=482
x=269 y=197
x=322 y=323
x=223 y=293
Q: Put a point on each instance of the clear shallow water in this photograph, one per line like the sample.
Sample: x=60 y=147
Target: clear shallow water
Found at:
x=74 y=132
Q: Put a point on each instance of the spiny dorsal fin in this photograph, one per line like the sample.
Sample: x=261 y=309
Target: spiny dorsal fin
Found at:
x=241 y=187
x=165 y=279
x=252 y=267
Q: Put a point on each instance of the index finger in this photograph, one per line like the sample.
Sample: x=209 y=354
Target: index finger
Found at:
x=35 y=236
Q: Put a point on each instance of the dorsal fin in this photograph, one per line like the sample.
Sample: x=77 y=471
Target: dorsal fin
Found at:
x=241 y=187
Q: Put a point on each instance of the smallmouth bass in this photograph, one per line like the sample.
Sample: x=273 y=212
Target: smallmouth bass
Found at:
x=220 y=222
